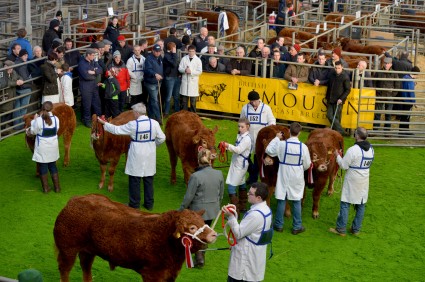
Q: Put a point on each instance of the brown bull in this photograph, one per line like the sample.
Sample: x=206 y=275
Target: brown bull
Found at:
x=150 y=244
x=321 y=144
x=67 y=124
x=269 y=166
x=185 y=135
x=108 y=147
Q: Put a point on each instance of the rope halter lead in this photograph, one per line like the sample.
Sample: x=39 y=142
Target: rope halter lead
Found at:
x=187 y=243
x=199 y=231
x=231 y=239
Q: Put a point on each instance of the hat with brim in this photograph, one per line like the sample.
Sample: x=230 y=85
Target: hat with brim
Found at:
x=90 y=51
x=107 y=42
x=388 y=60
x=117 y=54
x=156 y=48
x=8 y=63
x=121 y=38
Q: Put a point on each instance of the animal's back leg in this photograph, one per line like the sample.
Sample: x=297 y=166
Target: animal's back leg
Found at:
x=86 y=262
x=65 y=263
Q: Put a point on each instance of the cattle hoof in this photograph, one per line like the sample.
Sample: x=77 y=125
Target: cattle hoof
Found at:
x=288 y=215
x=173 y=182
x=100 y=185
x=111 y=189
x=315 y=215
x=65 y=164
x=330 y=192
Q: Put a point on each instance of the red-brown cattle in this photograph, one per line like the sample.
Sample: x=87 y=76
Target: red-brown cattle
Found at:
x=67 y=124
x=150 y=244
x=303 y=36
x=268 y=166
x=416 y=20
x=185 y=135
x=321 y=144
x=212 y=22
x=349 y=45
x=108 y=147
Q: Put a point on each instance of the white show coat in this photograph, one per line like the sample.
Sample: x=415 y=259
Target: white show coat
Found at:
x=356 y=161
x=258 y=119
x=46 y=149
x=135 y=70
x=294 y=159
x=247 y=260
x=190 y=82
x=65 y=92
x=239 y=165
x=141 y=160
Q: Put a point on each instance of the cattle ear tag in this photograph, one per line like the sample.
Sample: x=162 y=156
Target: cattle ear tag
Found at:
x=330 y=152
x=177 y=234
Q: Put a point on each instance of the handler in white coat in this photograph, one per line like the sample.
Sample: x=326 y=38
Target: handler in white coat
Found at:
x=355 y=190
x=135 y=66
x=259 y=116
x=191 y=68
x=46 y=149
x=239 y=165
x=294 y=159
x=248 y=256
x=146 y=135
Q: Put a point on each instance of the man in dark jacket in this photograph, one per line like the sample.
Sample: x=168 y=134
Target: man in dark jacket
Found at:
x=10 y=79
x=214 y=66
x=401 y=64
x=389 y=83
x=338 y=89
x=88 y=70
x=23 y=90
x=154 y=73
x=239 y=66
x=112 y=32
x=50 y=35
x=15 y=49
x=172 y=38
x=201 y=40
x=319 y=76
x=126 y=50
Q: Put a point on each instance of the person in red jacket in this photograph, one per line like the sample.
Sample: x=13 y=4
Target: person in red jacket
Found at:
x=123 y=77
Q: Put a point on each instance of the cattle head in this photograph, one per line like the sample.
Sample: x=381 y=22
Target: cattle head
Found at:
x=204 y=139
x=97 y=130
x=271 y=134
x=190 y=223
x=29 y=139
x=320 y=155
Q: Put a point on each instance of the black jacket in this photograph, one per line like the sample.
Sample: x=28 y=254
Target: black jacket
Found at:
x=244 y=66
x=339 y=87
x=171 y=65
x=126 y=52
x=111 y=33
x=24 y=73
x=322 y=74
x=48 y=38
x=173 y=38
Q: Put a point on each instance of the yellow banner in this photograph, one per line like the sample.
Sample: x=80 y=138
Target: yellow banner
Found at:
x=228 y=94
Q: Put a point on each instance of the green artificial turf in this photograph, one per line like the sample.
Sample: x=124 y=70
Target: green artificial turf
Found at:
x=390 y=247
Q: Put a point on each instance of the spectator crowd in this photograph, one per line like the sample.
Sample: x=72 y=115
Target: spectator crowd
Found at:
x=113 y=75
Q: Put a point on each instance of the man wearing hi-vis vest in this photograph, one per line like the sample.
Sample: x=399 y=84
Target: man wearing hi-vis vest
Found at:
x=355 y=190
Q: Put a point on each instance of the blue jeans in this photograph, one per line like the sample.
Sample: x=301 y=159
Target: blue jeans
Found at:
x=172 y=85
x=341 y=222
x=296 y=214
x=232 y=189
x=21 y=102
x=153 y=106
x=45 y=167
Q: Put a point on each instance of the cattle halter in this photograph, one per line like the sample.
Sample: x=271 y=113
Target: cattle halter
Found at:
x=199 y=231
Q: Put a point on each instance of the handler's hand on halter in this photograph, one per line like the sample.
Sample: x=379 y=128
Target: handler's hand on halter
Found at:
x=230 y=210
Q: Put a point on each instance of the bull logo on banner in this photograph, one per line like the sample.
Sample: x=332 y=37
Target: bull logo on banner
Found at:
x=211 y=91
